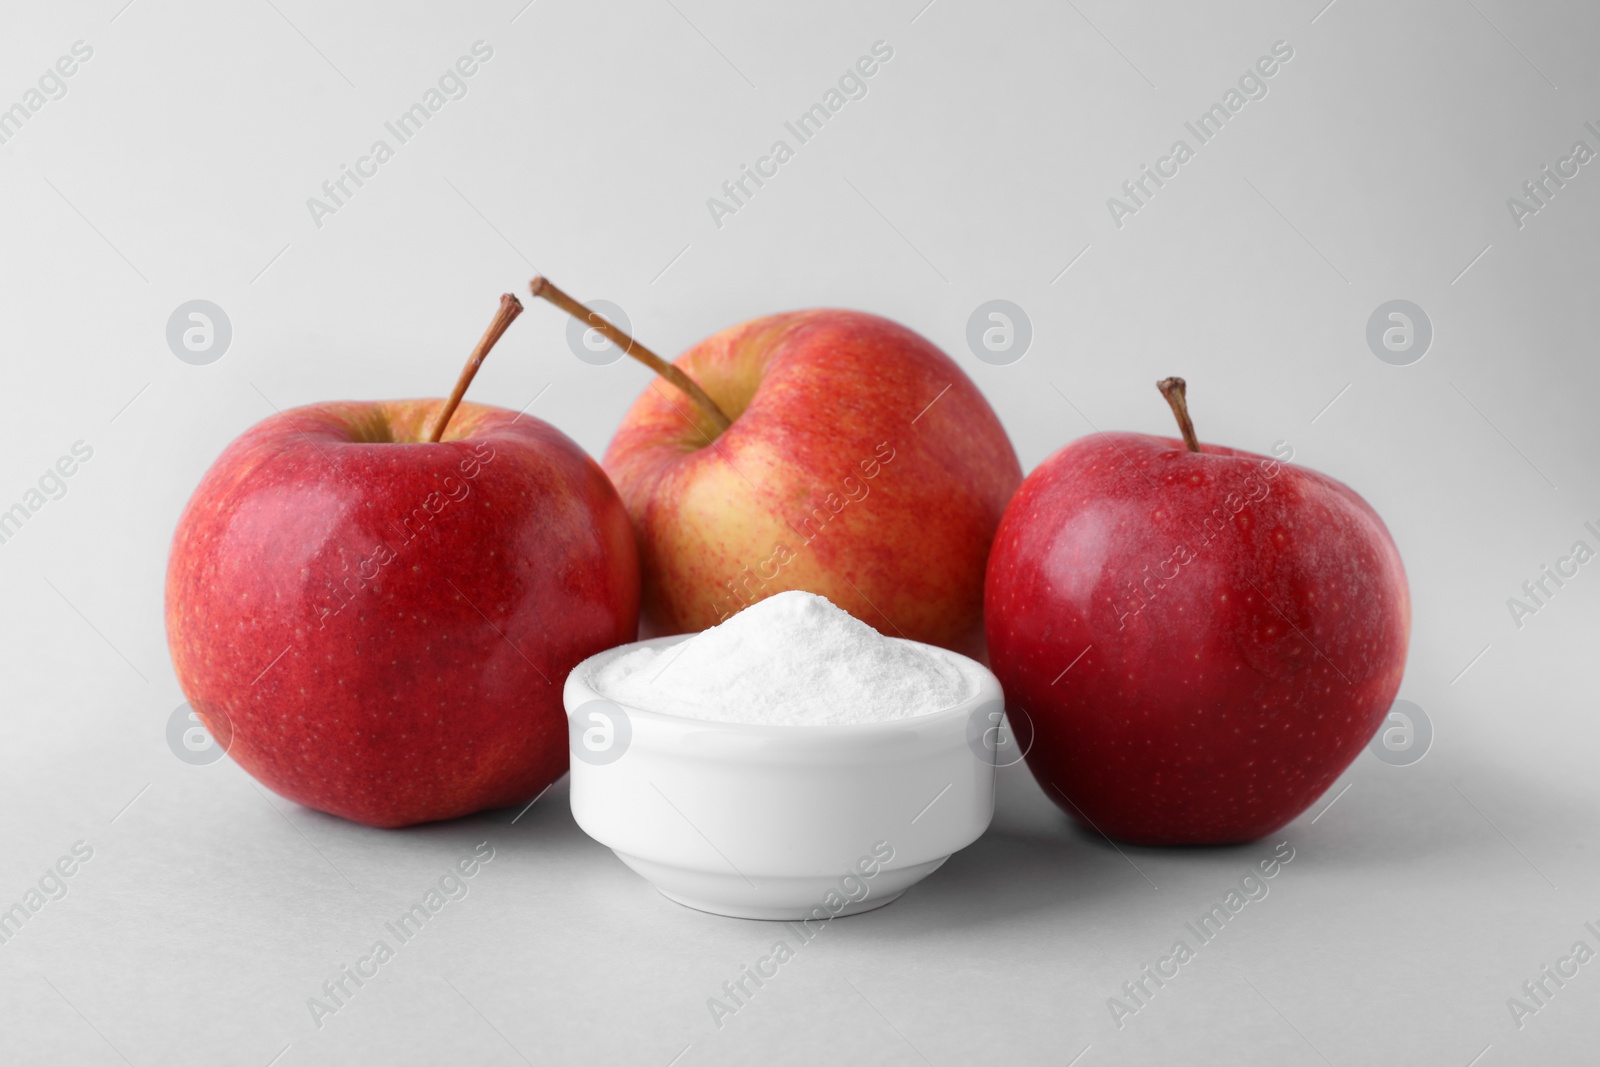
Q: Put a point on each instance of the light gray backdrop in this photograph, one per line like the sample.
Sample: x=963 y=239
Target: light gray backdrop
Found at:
x=175 y=164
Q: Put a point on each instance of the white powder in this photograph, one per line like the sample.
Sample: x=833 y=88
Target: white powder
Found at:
x=793 y=659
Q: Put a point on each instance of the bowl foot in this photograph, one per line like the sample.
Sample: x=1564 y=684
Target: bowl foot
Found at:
x=778 y=898
x=773 y=914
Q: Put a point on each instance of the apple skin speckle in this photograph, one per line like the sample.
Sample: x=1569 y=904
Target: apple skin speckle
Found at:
x=1234 y=668
x=376 y=647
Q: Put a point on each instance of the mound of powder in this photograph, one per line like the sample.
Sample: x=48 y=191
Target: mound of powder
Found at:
x=793 y=659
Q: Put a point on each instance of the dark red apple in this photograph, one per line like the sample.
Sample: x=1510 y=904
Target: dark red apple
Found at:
x=383 y=622
x=1200 y=638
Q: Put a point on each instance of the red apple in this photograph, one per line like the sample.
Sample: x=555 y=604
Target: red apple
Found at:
x=860 y=464
x=382 y=622
x=1201 y=639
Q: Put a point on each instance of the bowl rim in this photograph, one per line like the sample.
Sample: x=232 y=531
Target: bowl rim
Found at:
x=578 y=685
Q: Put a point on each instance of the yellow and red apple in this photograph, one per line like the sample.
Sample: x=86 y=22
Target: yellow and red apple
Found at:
x=860 y=464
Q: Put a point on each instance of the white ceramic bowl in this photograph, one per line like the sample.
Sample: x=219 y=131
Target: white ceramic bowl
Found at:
x=780 y=822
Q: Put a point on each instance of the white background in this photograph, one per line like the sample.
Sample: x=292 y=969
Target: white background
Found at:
x=977 y=167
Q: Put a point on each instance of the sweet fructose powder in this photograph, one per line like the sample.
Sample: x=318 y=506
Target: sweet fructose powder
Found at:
x=793 y=659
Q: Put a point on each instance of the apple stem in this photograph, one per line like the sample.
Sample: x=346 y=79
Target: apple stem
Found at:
x=1173 y=390
x=544 y=287
x=510 y=308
